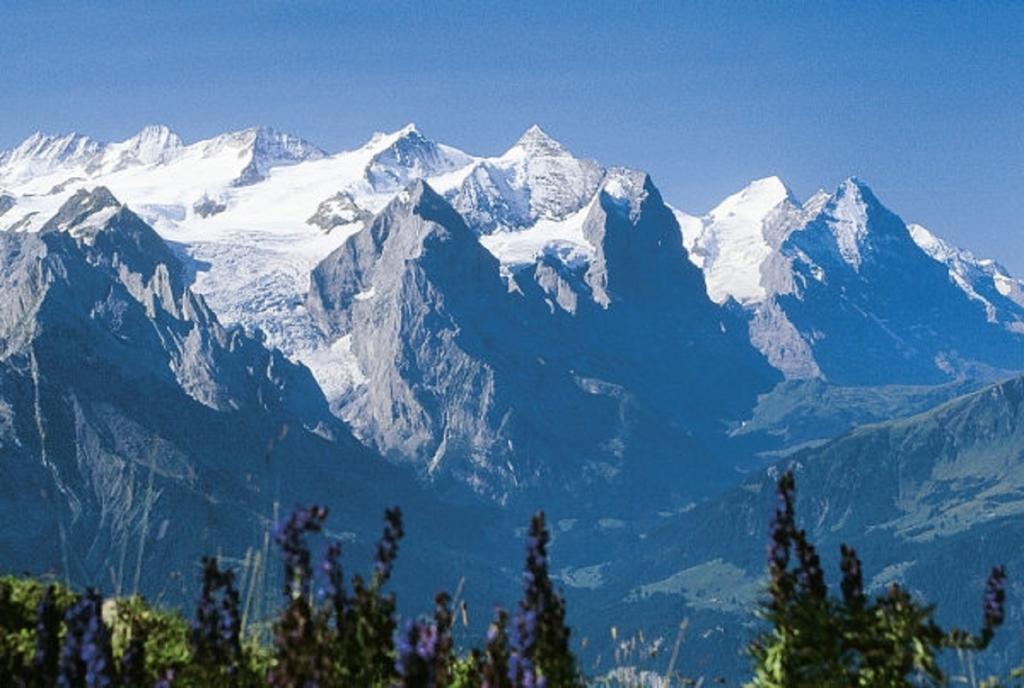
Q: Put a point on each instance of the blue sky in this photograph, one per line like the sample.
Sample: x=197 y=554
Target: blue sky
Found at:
x=925 y=101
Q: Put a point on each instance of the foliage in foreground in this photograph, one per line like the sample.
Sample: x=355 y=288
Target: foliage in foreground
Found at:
x=331 y=633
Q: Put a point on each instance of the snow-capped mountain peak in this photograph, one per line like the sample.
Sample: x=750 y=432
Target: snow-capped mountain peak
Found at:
x=406 y=155
x=536 y=179
x=408 y=130
x=41 y=154
x=54 y=148
x=382 y=139
x=535 y=141
x=153 y=145
x=739 y=236
x=755 y=201
x=260 y=148
x=152 y=142
x=84 y=213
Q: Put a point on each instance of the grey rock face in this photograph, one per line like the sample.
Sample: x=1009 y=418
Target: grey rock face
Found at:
x=338 y=210
x=208 y=207
x=423 y=301
x=6 y=203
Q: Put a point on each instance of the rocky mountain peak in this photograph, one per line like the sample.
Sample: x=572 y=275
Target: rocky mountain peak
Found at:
x=409 y=156
x=535 y=141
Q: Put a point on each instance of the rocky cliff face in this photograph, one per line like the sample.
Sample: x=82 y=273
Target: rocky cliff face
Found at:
x=499 y=384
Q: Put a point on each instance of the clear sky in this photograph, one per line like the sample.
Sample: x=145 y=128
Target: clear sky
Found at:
x=924 y=101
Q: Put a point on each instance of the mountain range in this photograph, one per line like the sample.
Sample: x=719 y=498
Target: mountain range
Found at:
x=227 y=326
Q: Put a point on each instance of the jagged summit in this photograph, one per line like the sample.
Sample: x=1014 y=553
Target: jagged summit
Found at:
x=54 y=146
x=108 y=232
x=385 y=138
x=767 y=190
x=855 y=184
x=41 y=154
x=152 y=145
x=160 y=134
x=635 y=237
x=80 y=207
x=536 y=141
x=408 y=130
x=628 y=188
x=536 y=179
x=408 y=155
x=419 y=199
x=856 y=224
x=264 y=148
x=739 y=236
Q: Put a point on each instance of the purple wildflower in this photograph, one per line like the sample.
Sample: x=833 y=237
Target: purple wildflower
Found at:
x=333 y=590
x=165 y=681
x=496 y=665
x=291 y=537
x=995 y=598
x=424 y=648
x=416 y=664
x=387 y=548
x=216 y=628
x=853 y=578
x=45 y=659
x=541 y=650
x=86 y=656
